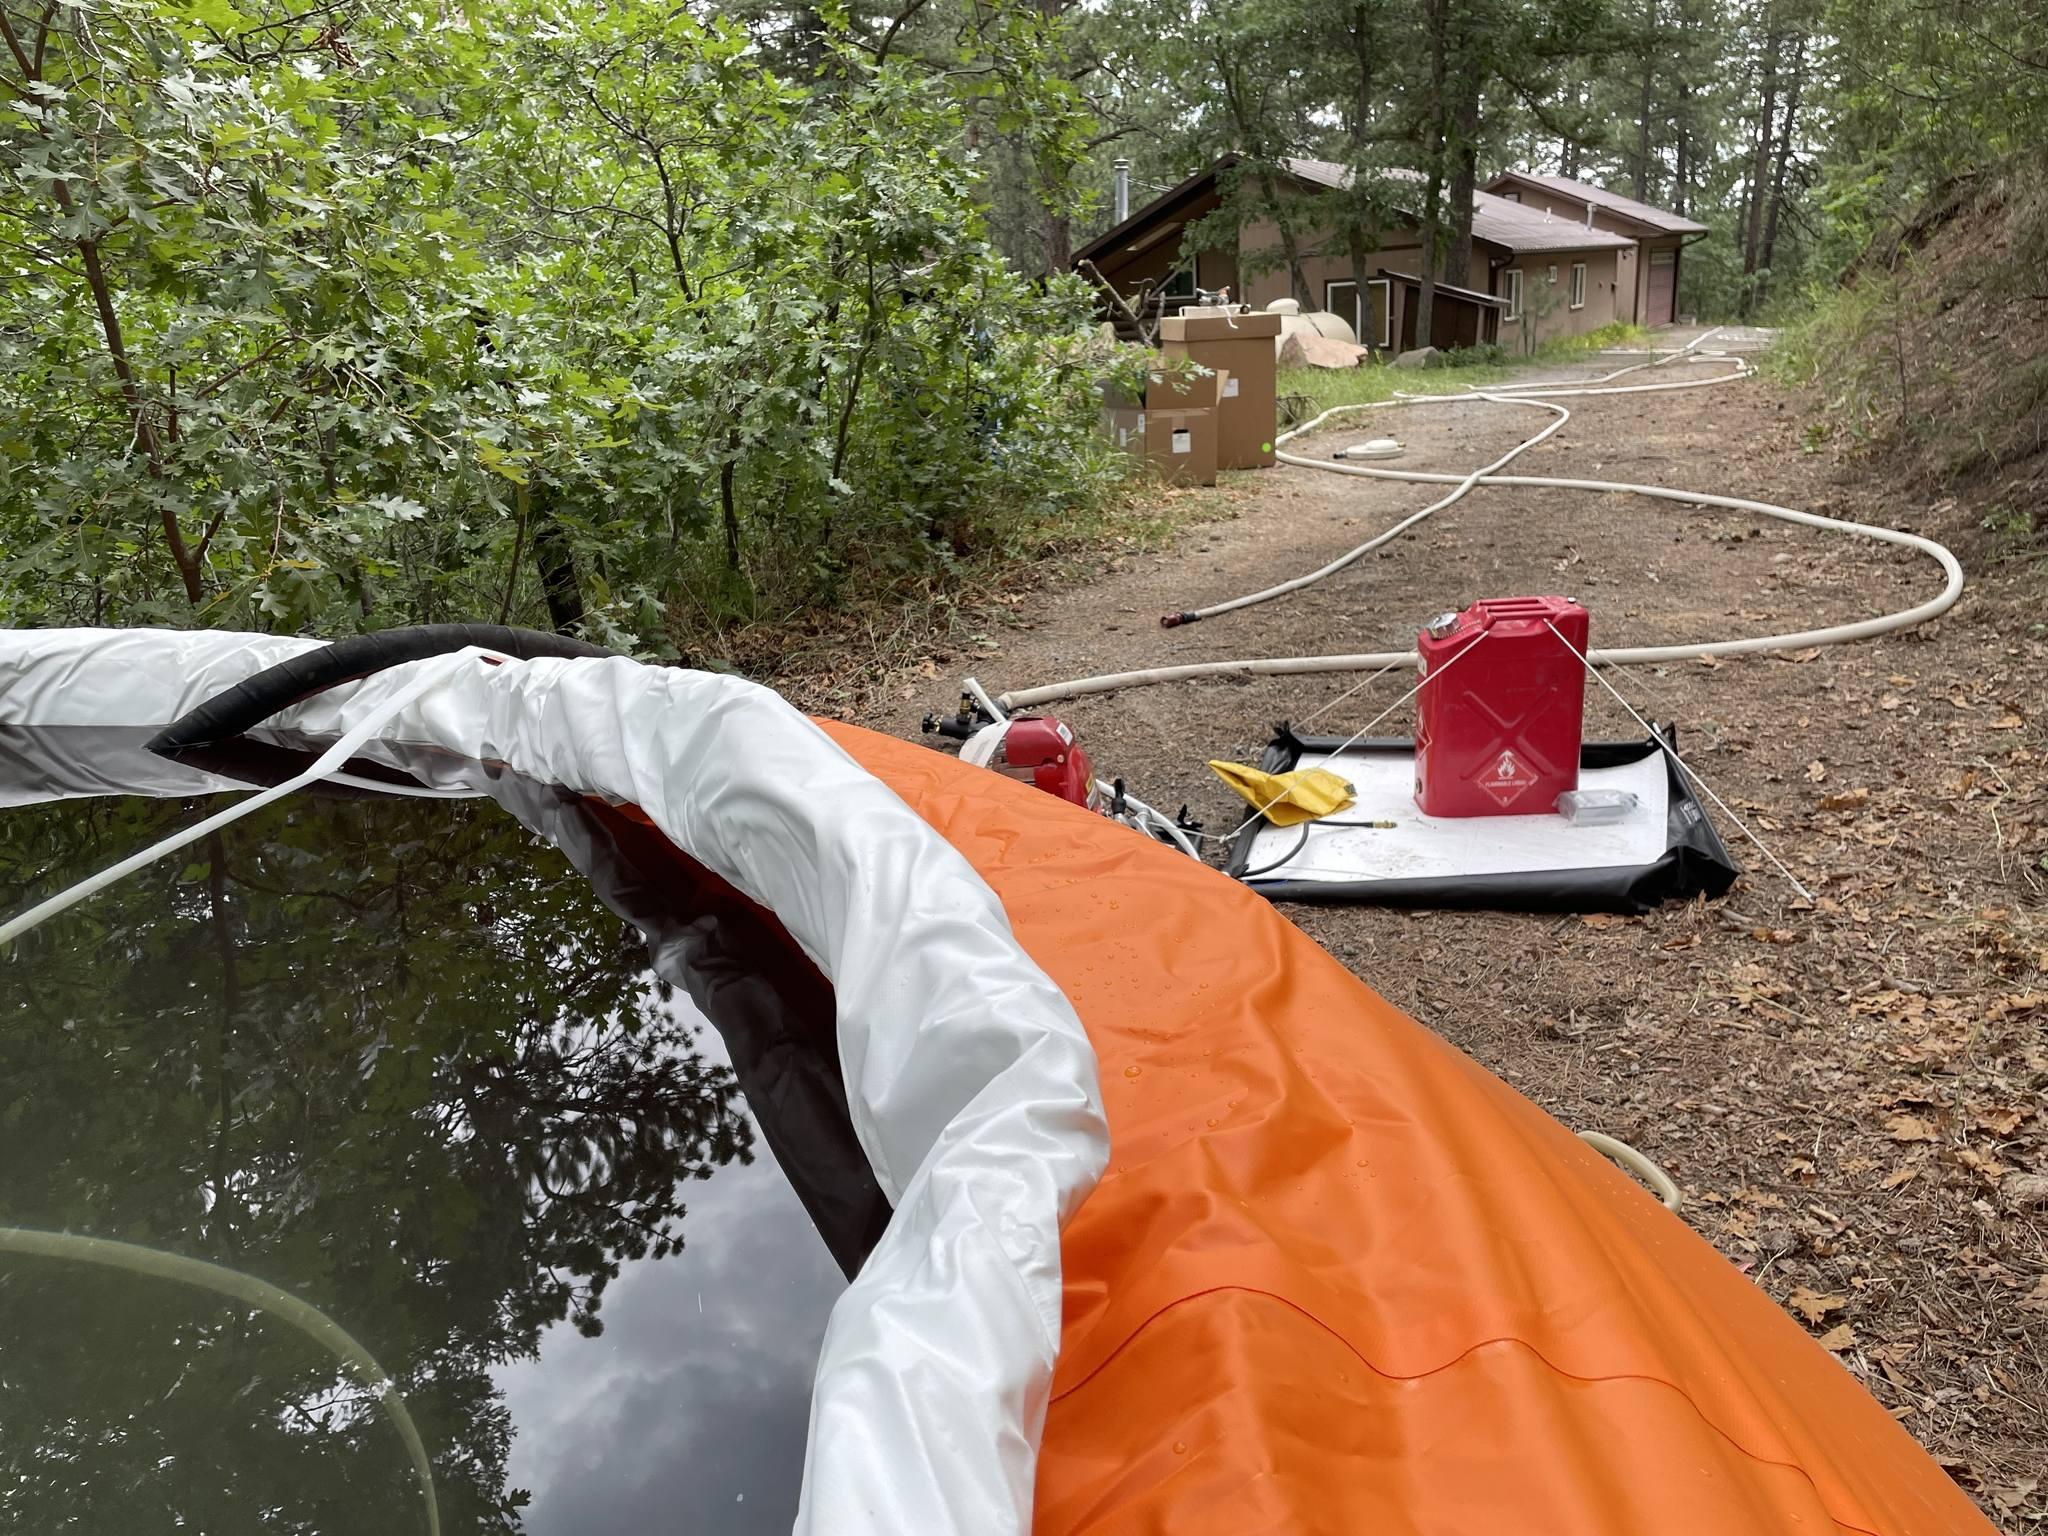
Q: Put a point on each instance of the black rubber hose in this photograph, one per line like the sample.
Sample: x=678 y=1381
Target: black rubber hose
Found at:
x=249 y=703
x=1300 y=843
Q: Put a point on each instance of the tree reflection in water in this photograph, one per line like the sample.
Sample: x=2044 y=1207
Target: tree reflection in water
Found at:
x=390 y=1055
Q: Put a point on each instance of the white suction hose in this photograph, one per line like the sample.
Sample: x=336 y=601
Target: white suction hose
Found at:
x=1268 y=666
x=1506 y=394
x=1464 y=485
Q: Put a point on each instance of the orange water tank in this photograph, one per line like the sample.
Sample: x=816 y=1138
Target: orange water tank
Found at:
x=1340 y=1279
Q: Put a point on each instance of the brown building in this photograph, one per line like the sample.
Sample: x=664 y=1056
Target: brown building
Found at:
x=1659 y=237
x=1549 y=270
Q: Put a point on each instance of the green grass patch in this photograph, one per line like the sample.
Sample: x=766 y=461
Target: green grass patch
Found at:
x=1619 y=334
x=1371 y=383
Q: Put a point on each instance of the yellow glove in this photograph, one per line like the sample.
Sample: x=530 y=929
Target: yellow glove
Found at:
x=1287 y=799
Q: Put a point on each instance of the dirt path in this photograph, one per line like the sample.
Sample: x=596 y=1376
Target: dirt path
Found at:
x=1851 y=1094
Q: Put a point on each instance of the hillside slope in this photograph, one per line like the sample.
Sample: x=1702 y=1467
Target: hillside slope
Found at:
x=1931 y=359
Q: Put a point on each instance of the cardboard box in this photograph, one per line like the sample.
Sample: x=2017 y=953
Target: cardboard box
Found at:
x=1175 y=430
x=1194 y=324
x=1182 y=443
x=1124 y=425
x=1204 y=392
x=1181 y=422
x=1240 y=346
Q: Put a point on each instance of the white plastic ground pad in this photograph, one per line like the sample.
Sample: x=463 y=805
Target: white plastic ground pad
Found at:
x=1419 y=847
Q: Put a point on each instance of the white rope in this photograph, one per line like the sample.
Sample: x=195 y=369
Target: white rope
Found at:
x=1352 y=740
x=1689 y=771
x=1350 y=557
x=1654 y=359
x=432 y=674
x=1504 y=394
x=1363 y=683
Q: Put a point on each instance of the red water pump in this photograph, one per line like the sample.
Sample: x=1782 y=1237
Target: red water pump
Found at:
x=1037 y=749
x=1498 y=734
x=1042 y=752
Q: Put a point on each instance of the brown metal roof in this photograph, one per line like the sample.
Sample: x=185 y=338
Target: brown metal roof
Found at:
x=1140 y=218
x=1521 y=230
x=1527 y=232
x=1510 y=226
x=1626 y=207
x=1470 y=295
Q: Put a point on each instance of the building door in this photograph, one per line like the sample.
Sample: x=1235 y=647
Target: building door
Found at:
x=1663 y=287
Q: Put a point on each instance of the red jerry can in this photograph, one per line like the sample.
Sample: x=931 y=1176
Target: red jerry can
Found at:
x=1498 y=733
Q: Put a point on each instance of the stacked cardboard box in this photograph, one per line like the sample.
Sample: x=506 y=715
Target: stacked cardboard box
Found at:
x=1239 y=344
x=1181 y=419
x=1176 y=427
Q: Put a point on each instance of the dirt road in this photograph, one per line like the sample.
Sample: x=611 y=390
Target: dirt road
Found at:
x=1850 y=1093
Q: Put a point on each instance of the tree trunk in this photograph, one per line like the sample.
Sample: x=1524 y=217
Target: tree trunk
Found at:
x=556 y=562
x=728 y=504
x=1432 y=203
x=1059 y=233
x=1290 y=248
x=1253 y=135
x=1464 y=181
x=140 y=413
x=1681 y=190
x=1059 y=242
x=1760 y=162
x=1785 y=131
x=1643 y=107
x=1363 y=59
x=1359 y=239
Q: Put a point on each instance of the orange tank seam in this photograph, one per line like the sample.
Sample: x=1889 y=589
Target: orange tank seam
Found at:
x=1465 y=1354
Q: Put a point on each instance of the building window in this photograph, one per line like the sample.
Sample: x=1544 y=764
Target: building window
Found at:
x=1180 y=282
x=1578 y=285
x=1512 y=292
x=1342 y=299
x=1553 y=272
x=1379 y=303
x=1372 y=318
x=1513 y=197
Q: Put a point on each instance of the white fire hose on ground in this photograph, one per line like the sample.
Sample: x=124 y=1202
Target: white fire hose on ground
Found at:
x=1539 y=394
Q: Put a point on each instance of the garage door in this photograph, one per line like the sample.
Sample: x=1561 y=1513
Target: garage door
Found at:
x=1663 y=286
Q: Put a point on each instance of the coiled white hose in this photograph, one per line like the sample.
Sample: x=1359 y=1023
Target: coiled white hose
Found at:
x=1268 y=666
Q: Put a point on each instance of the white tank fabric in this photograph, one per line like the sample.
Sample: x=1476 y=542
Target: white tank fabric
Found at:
x=75 y=762
x=971 y=1082
x=131 y=677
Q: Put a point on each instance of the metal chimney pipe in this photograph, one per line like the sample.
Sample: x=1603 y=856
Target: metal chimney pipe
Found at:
x=1123 y=189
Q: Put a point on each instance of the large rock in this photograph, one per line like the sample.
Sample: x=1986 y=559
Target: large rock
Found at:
x=1421 y=357
x=1308 y=349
